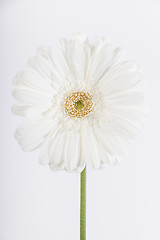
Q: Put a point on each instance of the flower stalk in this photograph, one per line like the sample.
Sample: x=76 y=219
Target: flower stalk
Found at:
x=83 y=206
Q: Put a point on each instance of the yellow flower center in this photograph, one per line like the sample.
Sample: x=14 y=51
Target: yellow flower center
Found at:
x=78 y=104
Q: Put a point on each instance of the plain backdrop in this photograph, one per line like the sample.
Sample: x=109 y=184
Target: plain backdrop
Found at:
x=123 y=202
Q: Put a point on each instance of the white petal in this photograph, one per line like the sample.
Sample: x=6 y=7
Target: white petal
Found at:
x=122 y=83
x=118 y=70
x=129 y=98
x=112 y=144
x=100 y=59
x=87 y=61
x=134 y=115
x=128 y=129
x=105 y=157
x=31 y=134
x=79 y=37
x=35 y=113
x=74 y=53
x=90 y=149
x=35 y=81
x=59 y=63
x=118 y=56
x=29 y=112
x=119 y=127
x=72 y=151
x=19 y=109
x=56 y=151
x=41 y=64
x=32 y=98
x=77 y=54
x=76 y=60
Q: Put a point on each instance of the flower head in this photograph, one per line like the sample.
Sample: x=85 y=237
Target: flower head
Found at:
x=83 y=104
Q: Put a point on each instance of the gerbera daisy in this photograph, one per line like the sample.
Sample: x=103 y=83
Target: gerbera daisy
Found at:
x=82 y=101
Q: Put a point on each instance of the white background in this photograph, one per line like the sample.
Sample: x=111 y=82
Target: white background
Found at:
x=123 y=202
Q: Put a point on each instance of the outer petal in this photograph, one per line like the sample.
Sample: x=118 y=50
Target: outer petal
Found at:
x=19 y=109
x=29 y=97
x=122 y=83
x=129 y=98
x=121 y=77
x=56 y=151
x=59 y=63
x=65 y=152
x=112 y=144
x=133 y=115
x=33 y=80
x=101 y=54
x=42 y=63
x=106 y=159
x=30 y=135
x=80 y=37
x=118 y=56
x=75 y=55
x=90 y=148
x=72 y=152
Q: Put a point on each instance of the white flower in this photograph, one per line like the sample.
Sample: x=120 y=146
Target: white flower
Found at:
x=82 y=103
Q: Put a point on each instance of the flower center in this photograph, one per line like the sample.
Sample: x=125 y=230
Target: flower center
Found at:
x=78 y=104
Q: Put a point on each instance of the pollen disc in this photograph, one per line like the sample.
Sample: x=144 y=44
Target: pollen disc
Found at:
x=79 y=104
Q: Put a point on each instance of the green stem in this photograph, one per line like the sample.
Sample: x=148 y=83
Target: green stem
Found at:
x=83 y=206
